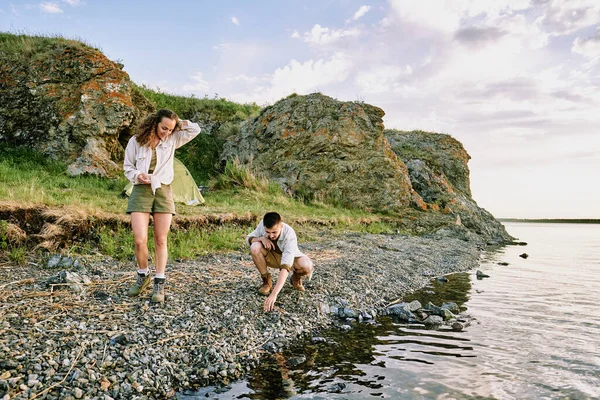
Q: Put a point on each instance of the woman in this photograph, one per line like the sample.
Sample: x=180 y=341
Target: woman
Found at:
x=149 y=166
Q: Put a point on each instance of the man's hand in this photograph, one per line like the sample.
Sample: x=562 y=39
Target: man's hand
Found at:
x=270 y=302
x=267 y=244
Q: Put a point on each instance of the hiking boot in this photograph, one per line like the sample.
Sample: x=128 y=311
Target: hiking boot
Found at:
x=265 y=289
x=158 y=294
x=297 y=279
x=297 y=282
x=139 y=285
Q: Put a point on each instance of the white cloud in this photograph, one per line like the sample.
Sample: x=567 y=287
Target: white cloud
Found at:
x=322 y=35
x=295 y=77
x=446 y=16
x=563 y=17
x=51 y=8
x=235 y=21
x=72 y=2
x=361 y=12
x=295 y=35
x=199 y=84
x=588 y=47
x=384 y=79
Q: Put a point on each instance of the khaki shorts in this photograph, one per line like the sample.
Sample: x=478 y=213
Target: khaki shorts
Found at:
x=142 y=200
x=273 y=259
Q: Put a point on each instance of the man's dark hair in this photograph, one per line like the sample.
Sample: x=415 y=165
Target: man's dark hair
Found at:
x=271 y=219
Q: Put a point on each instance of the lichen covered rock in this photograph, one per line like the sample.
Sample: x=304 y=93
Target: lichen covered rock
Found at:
x=318 y=148
x=66 y=100
x=438 y=171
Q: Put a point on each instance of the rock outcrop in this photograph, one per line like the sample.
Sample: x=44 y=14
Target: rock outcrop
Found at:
x=320 y=148
x=438 y=171
x=67 y=101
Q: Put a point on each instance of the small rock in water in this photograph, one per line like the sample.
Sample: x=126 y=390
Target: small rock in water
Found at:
x=442 y=279
x=503 y=263
x=433 y=320
x=336 y=387
x=524 y=255
x=295 y=361
x=318 y=339
x=481 y=275
x=457 y=327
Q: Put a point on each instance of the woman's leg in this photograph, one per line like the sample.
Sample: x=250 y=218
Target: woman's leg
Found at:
x=139 y=225
x=162 y=225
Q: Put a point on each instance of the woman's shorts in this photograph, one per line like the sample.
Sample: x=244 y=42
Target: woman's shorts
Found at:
x=142 y=200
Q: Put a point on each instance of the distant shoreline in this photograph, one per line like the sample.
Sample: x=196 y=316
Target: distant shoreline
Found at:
x=550 y=220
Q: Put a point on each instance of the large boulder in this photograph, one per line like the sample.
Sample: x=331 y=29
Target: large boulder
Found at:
x=68 y=101
x=438 y=171
x=320 y=148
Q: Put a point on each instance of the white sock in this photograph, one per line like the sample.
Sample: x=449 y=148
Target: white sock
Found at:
x=143 y=271
x=160 y=276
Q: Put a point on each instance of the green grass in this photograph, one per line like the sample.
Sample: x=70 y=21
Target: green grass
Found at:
x=36 y=47
x=29 y=178
x=219 y=117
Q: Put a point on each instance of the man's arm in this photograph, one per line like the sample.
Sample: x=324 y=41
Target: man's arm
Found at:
x=270 y=301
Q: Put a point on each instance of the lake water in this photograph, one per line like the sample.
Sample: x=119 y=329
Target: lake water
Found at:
x=536 y=335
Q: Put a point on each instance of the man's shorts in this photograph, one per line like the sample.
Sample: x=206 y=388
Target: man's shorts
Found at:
x=142 y=200
x=273 y=259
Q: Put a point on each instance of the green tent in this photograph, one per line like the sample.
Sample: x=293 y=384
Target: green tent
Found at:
x=184 y=187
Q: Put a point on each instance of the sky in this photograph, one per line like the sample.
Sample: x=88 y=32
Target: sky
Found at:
x=515 y=81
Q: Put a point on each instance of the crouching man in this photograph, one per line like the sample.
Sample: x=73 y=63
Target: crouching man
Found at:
x=274 y=244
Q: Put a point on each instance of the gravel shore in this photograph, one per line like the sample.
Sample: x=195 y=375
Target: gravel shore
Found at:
x=69 y=331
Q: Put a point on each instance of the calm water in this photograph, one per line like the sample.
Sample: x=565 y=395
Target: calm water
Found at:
x=536 y=335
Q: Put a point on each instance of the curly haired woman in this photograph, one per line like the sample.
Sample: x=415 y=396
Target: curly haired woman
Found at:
x=149 y=166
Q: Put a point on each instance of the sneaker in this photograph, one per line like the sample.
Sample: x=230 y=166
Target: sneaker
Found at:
x=158 y=294
x=139 y=285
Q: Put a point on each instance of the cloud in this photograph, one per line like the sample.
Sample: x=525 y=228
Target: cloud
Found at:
x=295 y=35
x=448 y=16
x=588 y=47
x=383 y=79
x=476 y=36
x=321 y=35
x=72 y=3
x=295 y=77
x=199 y=84
x=51 y=8
x=361 y=12
x=563 y=17
x=235 y=21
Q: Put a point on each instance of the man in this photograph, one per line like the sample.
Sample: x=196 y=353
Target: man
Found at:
x=274 y=244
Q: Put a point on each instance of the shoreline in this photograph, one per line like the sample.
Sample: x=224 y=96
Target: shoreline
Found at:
x=90 y=340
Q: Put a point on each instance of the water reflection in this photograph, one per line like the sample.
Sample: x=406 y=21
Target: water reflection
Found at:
x=353 y=363
x=539 y=336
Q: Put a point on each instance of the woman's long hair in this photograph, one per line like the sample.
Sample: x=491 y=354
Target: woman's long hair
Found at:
x=147 y=129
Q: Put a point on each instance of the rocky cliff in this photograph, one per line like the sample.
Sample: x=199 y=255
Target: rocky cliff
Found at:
x=320 y=148
x=68 y=101
x=438 y=171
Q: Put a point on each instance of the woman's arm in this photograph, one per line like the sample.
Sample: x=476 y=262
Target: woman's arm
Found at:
x=188 y=131
x=129 y=168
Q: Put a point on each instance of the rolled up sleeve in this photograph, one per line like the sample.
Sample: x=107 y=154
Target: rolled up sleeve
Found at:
x=186 y=134
x=129 y=167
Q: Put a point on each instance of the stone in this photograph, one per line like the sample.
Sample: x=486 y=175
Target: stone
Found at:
x=319 y=148
x=480 y=275
x=69 y=102
x=433 y=320
x=78 y=393
x=438 y=171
